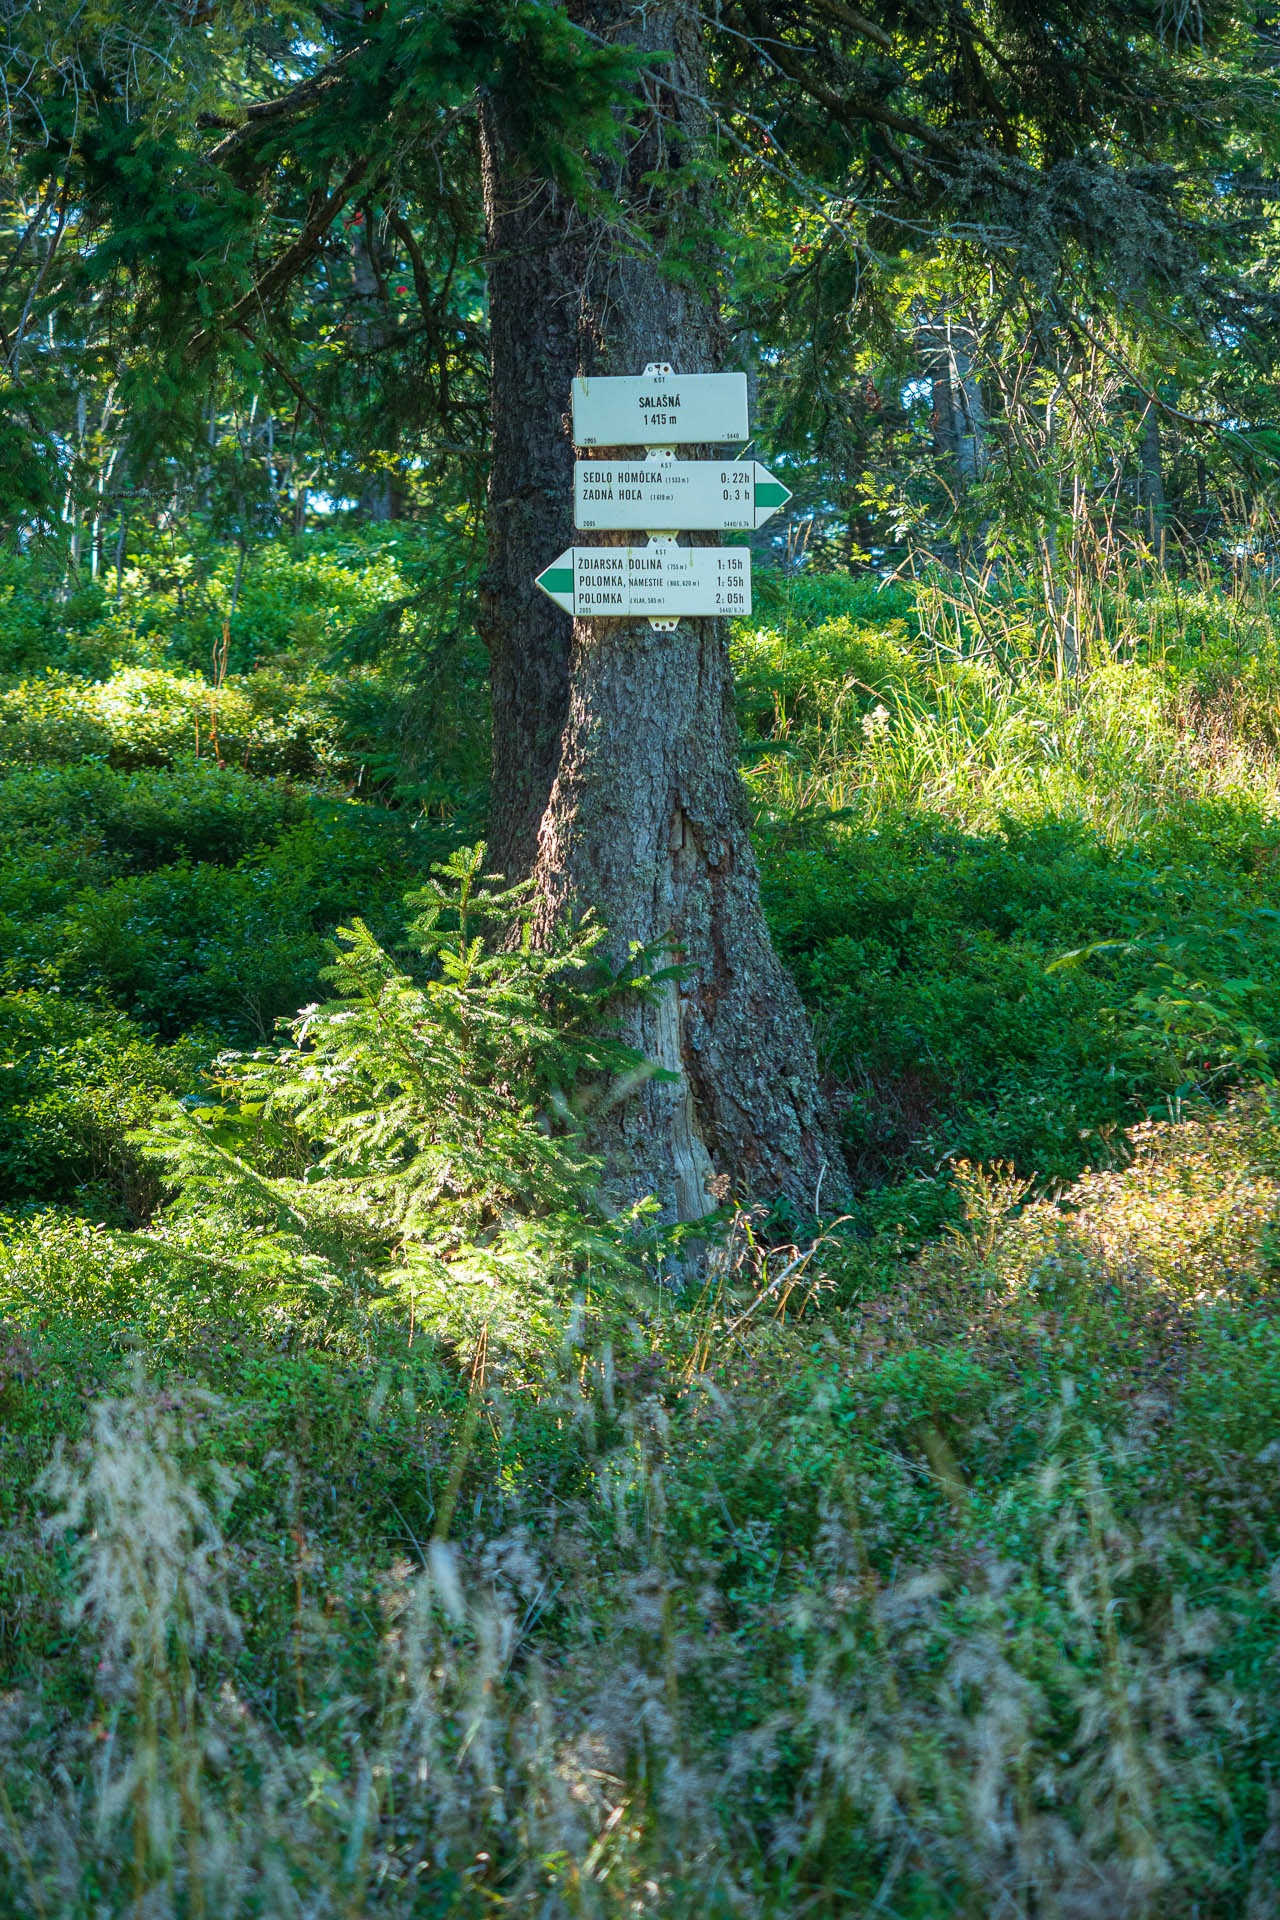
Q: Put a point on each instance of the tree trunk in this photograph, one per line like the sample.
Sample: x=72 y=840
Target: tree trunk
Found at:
x=970 y=412
x=380 y=494
x=1153 y=500
x=122 y=540
x=646 y=821
x=1060 y=564
x=959 y=415
x=1060 y=597
x=536 y=264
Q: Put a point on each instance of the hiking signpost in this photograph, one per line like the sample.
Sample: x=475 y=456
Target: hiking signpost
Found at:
x=661 y=578
x=659 y=410
x=662 y=491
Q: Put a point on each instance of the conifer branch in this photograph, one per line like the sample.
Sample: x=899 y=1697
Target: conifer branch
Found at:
x=289 y=263
x=265 y=112
x=846 y=108
x=856 y=22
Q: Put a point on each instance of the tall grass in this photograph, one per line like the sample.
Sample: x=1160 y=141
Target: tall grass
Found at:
x=970 y=721
x=832 y=1614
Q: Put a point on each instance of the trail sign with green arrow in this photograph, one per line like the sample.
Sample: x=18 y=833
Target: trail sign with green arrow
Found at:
x=661 y=579
x=660 y=495
x=669 y=493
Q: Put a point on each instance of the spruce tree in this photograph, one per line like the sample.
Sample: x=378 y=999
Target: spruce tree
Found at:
x=646 y=821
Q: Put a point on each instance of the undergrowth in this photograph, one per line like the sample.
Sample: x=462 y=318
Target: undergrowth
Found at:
x=947 y=1587
x=388 y=1528
x=1025 y=911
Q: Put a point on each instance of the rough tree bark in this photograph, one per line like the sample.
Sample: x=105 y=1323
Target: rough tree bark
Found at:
x=535 y=241
x=645 y=819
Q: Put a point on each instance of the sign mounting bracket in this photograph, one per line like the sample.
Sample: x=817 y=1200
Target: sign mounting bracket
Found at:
x=662 y=369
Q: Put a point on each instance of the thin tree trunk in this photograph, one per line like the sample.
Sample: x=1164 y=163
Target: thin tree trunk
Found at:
x=970 y=411
x=380 y=496
x=646 y=821
x=205 y=495
x=942 y=412
x=1059 y=565
x=1153 y=499
x=238 y=581
x=949 y=350
x=71 y=509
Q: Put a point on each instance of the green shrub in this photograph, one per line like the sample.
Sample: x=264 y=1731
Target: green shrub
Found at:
x=810 y=677
x=28 y=617
x=418 y=1138
x=192 y=944
x=937 y=836
x=146 y=816
x=74 y=1081
x=926 y=955
x=190 y=895
x=362 y=727
x=296 y=598
x=150 y=716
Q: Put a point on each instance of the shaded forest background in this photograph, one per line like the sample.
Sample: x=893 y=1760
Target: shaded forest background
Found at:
x=421 y=1538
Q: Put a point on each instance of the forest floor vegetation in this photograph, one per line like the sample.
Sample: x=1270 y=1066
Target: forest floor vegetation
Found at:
x=385 y=1528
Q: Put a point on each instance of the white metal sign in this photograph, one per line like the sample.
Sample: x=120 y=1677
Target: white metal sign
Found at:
x=619 y=494
x=660 y=579
x=659 y=409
